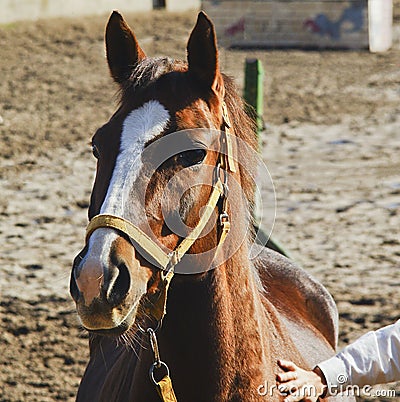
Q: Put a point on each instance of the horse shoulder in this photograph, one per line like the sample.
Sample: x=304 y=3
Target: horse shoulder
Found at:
x=298 y=297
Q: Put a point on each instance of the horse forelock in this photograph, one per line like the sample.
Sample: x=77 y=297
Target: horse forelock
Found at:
x=148 y=71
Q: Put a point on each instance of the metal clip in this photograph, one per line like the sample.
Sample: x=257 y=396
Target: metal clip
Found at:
x=158 y=363
x=154 y=347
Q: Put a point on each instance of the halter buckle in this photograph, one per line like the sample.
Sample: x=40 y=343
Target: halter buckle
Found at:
x=223 y=218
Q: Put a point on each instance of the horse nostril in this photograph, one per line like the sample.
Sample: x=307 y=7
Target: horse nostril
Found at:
x=73 y=288
x=120 y=287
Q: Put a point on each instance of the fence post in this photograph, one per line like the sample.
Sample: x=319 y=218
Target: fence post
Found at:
x=254 y=97
x=253 y=89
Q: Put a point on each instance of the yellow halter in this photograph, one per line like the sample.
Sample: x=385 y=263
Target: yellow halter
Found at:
x=158 y=256
x=152 y=251
x=168 y=261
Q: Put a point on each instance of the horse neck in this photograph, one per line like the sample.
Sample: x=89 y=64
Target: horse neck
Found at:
x=212 y=333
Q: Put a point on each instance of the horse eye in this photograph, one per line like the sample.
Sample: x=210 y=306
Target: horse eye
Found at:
x=95 y=151
x=192 y=157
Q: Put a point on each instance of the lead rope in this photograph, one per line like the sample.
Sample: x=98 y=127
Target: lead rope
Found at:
x=164 y=386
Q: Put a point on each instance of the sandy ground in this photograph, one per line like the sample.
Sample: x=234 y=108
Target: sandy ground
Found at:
x=332 y=145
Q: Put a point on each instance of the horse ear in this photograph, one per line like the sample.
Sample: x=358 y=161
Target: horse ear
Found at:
x=202 y=54
x=123 y=50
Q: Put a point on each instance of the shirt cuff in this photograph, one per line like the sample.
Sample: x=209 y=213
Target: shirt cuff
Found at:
x=336 y=375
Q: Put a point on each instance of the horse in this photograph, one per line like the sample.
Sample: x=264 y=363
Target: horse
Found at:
x=216 y=334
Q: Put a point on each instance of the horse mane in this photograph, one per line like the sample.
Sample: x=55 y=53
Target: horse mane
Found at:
x=244 y=124
x=242 y=116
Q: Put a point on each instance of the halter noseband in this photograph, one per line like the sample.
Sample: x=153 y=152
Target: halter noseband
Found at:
x=156 y=255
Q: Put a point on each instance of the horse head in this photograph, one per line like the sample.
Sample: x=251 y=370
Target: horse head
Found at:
x=157 y=176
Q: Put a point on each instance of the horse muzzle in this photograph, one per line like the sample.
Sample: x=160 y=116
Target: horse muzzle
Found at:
x=107 y=284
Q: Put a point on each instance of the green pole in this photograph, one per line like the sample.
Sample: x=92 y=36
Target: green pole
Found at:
x=253 y=90
x=254 y=97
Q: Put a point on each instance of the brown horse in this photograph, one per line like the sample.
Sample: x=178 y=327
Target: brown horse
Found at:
x=226 y=327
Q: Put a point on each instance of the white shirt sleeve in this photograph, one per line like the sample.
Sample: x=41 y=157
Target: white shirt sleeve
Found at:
x=372 y=359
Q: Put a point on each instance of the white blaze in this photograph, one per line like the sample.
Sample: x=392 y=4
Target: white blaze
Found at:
x=140 y=126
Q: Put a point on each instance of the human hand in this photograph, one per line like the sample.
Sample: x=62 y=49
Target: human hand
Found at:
x=299 y=384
